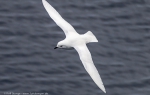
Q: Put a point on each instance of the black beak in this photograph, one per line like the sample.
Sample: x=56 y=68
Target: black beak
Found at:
x=55 y=47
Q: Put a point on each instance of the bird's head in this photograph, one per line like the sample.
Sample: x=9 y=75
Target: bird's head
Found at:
x=61 y=44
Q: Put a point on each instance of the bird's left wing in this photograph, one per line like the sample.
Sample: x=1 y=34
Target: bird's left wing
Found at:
x=85 y=57
x=64 y=25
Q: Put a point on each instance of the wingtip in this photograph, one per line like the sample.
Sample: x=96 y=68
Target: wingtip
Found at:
x=104 y=91
x=103 y=88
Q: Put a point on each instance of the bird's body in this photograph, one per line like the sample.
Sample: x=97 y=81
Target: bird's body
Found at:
x=76 y=41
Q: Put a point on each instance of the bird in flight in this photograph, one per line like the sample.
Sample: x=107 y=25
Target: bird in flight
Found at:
x=76 y=41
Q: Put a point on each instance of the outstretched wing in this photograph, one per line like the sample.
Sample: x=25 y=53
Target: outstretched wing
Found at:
x=85 y=57
x=64 y=25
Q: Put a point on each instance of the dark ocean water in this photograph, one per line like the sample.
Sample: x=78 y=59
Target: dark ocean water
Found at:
x=28 y=62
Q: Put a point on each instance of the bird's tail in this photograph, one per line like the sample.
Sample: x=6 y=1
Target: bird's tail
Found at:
x=90 y=37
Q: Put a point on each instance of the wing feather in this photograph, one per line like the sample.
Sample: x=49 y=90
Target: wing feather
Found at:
x=64 y=25
x=85 y=57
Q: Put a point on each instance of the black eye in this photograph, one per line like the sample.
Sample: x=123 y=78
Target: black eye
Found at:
x=61 y=46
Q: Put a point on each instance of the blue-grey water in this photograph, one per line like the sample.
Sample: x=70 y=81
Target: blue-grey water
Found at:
x=29 y=64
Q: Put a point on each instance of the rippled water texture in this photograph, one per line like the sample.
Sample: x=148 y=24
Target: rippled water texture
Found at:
x=28 y=62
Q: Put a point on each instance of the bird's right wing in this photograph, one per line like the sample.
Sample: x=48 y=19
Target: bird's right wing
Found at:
x=64 y=25
x=85 y=57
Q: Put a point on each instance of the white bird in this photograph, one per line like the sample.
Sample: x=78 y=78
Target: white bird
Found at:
x=76 y=41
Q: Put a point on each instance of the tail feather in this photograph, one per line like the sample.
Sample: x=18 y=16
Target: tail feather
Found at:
x=90 y=37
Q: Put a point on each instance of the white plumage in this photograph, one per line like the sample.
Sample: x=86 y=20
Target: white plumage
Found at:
x=77 y=41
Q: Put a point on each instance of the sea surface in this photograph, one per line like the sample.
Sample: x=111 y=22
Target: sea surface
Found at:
x=30 y=66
